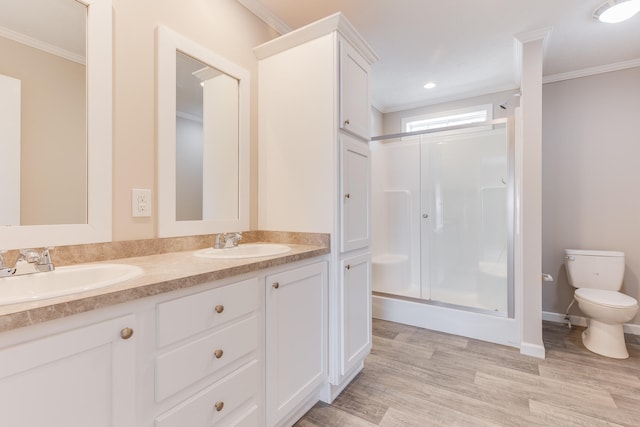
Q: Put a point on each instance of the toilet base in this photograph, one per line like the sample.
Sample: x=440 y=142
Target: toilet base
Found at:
x=605 y=339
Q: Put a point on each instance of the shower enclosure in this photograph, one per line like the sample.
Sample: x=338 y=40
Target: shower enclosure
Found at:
x=442 y=220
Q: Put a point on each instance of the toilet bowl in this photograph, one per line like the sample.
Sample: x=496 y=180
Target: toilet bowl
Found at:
x=607 y=312
x=597 y=275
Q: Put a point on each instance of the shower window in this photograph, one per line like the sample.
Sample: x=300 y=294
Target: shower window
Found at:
x=463 y=116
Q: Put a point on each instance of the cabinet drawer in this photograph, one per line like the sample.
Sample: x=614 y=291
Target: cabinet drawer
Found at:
x=190 y=315
x=193 y=361
x=250 y=418
x=211 y=405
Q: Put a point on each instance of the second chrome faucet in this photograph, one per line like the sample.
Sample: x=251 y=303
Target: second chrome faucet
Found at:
x=227 y=240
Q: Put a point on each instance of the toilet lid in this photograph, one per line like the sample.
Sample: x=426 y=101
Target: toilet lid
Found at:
x=606 y=298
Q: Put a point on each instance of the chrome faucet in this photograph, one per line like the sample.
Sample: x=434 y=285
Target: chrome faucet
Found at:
x=4 y=270
x=31 y=261
x=227 y=240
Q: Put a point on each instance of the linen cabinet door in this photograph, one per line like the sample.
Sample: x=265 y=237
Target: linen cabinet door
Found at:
x=296 y=337
x=355 y=194
x=356 y=320
x=355 y=107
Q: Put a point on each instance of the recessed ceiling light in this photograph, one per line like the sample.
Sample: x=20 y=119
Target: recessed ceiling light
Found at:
x=429 y=85
x=613 y=11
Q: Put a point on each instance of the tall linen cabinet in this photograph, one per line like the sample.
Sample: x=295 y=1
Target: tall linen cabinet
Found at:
x=314 y=168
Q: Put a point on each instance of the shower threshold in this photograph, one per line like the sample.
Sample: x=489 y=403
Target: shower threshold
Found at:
x=452 y=306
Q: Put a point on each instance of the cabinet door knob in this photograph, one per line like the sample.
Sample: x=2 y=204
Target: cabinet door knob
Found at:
x=276 y=285
x=348 y=267
x=219 y=308
x=219 y=406
x=347 y=122
x=218 y=353
x=347 y=196
x=126 y=333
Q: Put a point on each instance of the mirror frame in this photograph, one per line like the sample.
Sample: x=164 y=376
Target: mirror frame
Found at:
x=168 y=44
x=99 y=146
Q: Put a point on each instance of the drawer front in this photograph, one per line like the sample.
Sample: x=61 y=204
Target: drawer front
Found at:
x=250 y=418
x=211 y=405
x=195 y=360
x=184 y=317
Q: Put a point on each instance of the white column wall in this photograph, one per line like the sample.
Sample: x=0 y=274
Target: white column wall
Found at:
x=531 y=193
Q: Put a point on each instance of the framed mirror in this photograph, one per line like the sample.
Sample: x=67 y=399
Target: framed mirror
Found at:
x=203 y=139
x=56 y=113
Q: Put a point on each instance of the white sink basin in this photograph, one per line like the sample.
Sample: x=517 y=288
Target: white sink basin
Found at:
x=247 y=250
x=64 y=281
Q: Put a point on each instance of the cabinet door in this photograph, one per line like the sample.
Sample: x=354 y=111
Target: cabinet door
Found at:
x=354 y=181
x=356 y=316
x=355 y=107
x=296 y=337
x=82 y=377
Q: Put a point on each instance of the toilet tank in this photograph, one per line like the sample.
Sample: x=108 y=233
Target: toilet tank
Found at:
x=594 y=269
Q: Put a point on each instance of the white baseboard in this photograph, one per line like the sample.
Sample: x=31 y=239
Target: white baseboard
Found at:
x=332 y=391
x=535 y=350
x=629 y=328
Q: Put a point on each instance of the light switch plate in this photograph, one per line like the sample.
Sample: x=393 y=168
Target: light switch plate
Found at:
x=140 y=202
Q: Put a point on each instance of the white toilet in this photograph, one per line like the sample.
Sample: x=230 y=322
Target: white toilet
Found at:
x=597 y=277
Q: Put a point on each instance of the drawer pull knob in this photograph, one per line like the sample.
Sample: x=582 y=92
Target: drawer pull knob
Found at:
x=219 y=308
x=276 y=285
x=218 y=353
x=347 y=122
x=219 y=406
x=126 y=333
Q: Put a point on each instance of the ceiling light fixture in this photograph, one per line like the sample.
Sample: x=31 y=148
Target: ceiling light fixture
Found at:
x=613 y=11
x=429 y=85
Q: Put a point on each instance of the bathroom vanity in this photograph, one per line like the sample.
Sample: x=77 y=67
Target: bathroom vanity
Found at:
x=192 y=341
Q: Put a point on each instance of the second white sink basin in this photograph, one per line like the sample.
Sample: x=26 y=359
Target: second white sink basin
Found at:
x=246 y=250
x=64 y=281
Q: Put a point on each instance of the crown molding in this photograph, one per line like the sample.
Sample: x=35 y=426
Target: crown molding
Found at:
x=540 y=34
x=332 y=23
x=41 y=45
x=617 y=66
x=261 y=11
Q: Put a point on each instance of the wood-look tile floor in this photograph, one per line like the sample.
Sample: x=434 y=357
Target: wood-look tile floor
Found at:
x=417 y=377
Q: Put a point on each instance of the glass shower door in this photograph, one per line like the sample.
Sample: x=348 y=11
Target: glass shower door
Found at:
x=464 y=224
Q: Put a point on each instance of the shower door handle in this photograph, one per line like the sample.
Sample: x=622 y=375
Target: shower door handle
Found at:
x=425 y=216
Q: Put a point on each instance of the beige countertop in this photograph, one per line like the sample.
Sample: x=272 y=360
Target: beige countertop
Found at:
x=164 y=272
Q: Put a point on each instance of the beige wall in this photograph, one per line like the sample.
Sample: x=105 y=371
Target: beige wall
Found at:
x=590 y=176
x=224 y=26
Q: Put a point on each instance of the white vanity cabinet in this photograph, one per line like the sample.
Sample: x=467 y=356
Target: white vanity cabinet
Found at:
x=296 y=340
x=212 y=340
x=206 y=355
x=68 y=373
x=314 y=173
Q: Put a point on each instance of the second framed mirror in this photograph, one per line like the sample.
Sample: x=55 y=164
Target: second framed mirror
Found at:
x=203 y=139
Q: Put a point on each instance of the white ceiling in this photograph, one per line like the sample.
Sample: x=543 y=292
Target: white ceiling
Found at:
x=466 y=46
